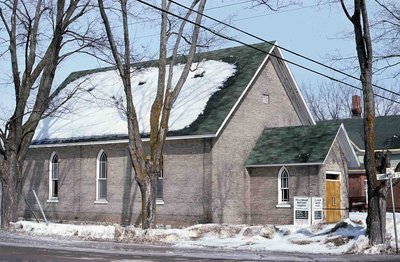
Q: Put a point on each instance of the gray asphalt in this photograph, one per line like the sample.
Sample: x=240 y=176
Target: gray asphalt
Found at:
x=27 y=248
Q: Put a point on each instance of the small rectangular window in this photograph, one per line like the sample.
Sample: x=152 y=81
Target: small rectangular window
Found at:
x=285 y=194
x=265 y=99
x=332 y=176
x=102 y=188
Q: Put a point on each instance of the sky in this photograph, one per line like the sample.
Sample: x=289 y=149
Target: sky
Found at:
x=311 y=30
x=316 y=31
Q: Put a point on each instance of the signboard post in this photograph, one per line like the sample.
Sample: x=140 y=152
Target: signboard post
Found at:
x=302 y=208
x=389 y=175
x=317 y=206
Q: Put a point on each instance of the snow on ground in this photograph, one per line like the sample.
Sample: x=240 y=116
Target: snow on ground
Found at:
x=93 y=110
x=347 y=236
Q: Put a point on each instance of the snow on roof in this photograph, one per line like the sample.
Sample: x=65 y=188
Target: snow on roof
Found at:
x=94 y=113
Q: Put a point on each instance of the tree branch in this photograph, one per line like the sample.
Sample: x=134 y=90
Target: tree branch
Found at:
x=5 y=23
x=388 y=10
x=346 y=12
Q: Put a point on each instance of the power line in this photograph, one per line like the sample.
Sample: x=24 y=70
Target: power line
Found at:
x=234 y=20
x=260 y=50
x=283 y=48
x=229 y=5
x=207 y=9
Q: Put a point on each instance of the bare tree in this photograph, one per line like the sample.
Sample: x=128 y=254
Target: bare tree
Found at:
x=376 y=220
x=386 y=25
x=276 y=5
x=148 y=168
x=328 y=100
x=333 y=101
x=36 y=33
x=385 y=107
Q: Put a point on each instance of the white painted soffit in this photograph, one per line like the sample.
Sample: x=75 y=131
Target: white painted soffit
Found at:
x=287 y=164
x=116 y=141
x=295 y=83
x=393 y=150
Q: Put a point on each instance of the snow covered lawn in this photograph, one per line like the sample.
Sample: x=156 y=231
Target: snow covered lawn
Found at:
x=347 y=236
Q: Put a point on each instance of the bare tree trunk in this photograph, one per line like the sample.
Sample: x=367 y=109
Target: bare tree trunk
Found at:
x=148 y=193
x=11 y=190
x=376 y=220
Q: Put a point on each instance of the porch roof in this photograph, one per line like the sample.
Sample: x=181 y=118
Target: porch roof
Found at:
x=296 y=145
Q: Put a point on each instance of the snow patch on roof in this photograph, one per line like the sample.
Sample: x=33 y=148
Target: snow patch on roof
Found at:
x=94 y=111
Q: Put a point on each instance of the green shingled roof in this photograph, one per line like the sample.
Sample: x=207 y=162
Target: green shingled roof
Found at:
x=293 y=145
x=246 y=59
x=387 y=131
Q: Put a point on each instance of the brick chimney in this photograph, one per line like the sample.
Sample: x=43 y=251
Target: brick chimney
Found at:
x=356 y=106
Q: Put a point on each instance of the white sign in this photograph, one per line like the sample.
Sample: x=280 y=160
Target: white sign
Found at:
x=389 y=173
x=302 y=210
x=317 y=210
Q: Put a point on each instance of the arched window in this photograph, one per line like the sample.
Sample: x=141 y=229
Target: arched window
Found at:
x=283 y=186
x=101 y=177
x=53 y=177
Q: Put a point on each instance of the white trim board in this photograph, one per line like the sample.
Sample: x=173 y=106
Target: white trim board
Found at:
x=287 y=164
x=117 y=141
x=295 y=84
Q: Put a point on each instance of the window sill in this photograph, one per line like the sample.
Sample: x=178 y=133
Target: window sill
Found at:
x=283 y=205
x=159 y=202
x=52 y=200
x=101 y=202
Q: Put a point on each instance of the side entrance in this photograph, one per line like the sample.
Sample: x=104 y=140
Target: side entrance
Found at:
x=333 y=207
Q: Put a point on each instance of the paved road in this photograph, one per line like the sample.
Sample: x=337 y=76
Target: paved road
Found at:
x=12 y=253
x=25 y=248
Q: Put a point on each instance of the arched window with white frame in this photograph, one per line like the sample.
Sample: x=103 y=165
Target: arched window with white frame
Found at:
x=101 y=177
x=53 y=177
x=283 y=186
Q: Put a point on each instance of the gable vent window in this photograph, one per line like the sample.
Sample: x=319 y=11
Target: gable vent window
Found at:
x=265 y=99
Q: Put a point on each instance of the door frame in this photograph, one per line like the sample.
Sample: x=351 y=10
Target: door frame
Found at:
x=339 y=174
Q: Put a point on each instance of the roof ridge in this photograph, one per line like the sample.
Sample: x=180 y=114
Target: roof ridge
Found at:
x=77 y=74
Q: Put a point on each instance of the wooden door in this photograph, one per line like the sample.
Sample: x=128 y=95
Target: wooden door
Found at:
x=332 y=201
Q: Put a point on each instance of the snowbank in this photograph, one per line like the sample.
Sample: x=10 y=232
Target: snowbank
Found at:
x=348 y=236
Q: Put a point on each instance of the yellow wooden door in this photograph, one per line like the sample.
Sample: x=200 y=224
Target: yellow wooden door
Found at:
x=332 y=201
